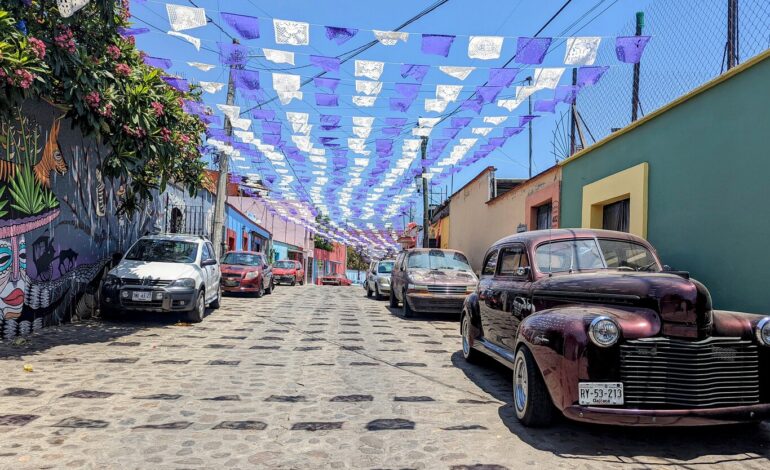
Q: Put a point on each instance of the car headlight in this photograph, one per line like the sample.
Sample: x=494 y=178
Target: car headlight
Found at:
x=411 y=286
x=470 y=288
x=184 y=282
x=763 y=331
x=604 y=332
x=250 y=275
x=111 y=280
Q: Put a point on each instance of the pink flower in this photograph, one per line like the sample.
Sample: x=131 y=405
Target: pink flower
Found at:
x=113 y=51
x=158 y=108
x=123 y=69
x=37 y=46
x=165 y=134
x=185 y=138
x=65 y=40
x=23 y=78
x=93 y=99
x=107 y=111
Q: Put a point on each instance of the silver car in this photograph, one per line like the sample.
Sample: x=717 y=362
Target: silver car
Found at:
x=378 y=278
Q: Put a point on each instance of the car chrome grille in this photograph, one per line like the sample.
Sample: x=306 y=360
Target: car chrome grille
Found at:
x=454 y=290
x=145 y=282
x=708 y=373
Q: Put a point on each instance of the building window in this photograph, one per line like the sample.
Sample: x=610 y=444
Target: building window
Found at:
x=176 y=220
x=616 y=216
x=543 y=217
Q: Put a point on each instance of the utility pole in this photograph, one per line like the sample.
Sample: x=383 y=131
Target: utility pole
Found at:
x=218 y=237
x=425 y=225
x=732 y=33
x=635 y=89
x=529 y=125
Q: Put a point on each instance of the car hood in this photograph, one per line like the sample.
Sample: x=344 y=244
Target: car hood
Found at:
x=237 y=268
x=448 y=277
x=284 y=270
x=155 y=270
x=679 y=301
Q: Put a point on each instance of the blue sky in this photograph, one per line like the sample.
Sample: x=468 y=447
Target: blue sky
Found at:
x=508 y=18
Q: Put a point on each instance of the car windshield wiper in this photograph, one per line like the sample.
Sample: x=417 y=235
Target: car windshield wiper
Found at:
x=646 y=267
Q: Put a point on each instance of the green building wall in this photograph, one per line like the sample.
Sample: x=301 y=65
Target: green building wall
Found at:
x=709 y=185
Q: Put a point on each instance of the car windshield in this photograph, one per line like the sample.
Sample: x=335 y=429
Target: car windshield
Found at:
x=438 y=259
x=163 y=251
x=385 y=267
x=581 y=255
x=244 y=259
x=621 y=254
x=284 y=264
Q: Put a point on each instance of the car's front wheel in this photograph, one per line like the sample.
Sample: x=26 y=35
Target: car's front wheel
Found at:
x=466 y=330
x=270 y=287
x=531 y=400
x=199 y=309
x=261 y=290
x=407 y=310
x=368 y=291
x=393 y=300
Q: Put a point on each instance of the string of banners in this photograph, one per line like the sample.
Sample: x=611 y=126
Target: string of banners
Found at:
x=529 y=50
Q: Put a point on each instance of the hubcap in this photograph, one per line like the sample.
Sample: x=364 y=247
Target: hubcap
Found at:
x=466 y=334
x=520 y=383
x=201 y=306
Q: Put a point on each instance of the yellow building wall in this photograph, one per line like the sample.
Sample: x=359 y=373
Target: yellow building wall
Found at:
x=478 y=223
x=444 y=223
x=630 y=183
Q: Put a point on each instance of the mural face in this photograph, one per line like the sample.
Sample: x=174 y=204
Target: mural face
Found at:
x=59 y=226
x=13 y=276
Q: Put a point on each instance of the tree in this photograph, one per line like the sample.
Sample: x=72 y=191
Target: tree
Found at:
x=356 y=259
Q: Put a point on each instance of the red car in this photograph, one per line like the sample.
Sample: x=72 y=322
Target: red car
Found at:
x=288 y=272
x=247 y=272
x=335 y=279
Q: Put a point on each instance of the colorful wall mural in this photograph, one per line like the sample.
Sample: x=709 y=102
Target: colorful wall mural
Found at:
x=60 y=226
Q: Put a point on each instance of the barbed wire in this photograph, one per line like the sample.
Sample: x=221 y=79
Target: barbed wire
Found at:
x=688 y=48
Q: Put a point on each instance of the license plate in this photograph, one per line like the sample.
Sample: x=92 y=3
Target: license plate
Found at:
x=139 y=296
x=601 y=393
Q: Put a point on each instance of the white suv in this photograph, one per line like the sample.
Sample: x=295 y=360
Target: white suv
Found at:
x=378 y=279
x=164 y=273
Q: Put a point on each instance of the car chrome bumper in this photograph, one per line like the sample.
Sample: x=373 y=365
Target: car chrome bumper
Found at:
x=430 y=303
x=680 y=417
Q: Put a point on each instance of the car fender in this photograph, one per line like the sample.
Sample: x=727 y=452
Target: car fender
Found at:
x=558 y=340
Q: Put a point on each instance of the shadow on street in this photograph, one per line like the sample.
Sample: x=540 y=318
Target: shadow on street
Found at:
x=636 y=446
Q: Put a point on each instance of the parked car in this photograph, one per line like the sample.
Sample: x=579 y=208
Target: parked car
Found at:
x=335 y=279
x=594 y=326
x=288 y=272
x=164 y=273
x=431 y=280
x=378 y=278
x=247 y=272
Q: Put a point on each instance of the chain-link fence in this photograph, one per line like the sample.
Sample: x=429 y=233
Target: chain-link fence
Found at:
x=689 y=47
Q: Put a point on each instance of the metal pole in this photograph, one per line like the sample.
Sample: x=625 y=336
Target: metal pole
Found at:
x=572 y=116
x=635 y=89
x=425 y=231
x=218 y=237
x=529 y=125
x=732 y=33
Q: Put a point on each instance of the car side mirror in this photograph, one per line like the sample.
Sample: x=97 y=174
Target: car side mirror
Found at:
x=208 y=262
x=265 y=266
x=667 y=268
x=523 y=271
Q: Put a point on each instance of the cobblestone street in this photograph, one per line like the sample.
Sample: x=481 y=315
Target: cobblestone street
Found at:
x=307 y=378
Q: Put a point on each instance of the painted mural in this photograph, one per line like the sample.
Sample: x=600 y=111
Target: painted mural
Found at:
x=60 y=226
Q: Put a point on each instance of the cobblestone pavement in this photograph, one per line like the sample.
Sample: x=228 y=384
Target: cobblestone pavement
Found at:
x=309 y=378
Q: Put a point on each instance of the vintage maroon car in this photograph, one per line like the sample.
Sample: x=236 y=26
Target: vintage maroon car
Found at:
x=246 y=272
x=595 y=327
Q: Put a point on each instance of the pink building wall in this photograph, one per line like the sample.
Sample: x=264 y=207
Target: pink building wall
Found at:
x=283 y=231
